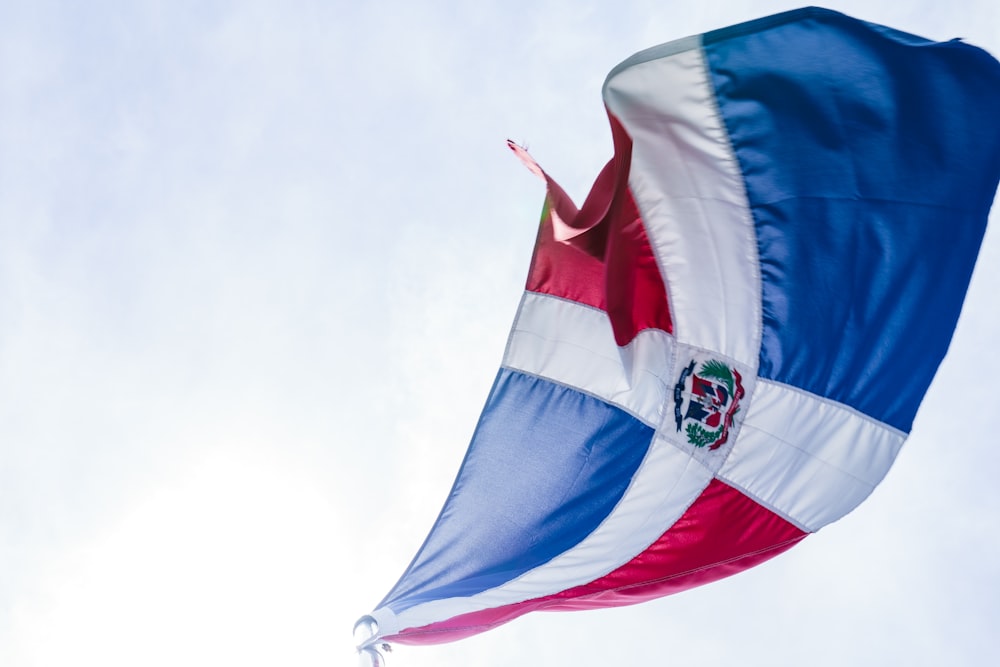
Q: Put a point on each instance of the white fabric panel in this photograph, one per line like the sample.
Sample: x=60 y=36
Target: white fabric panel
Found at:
x=667 y=482
x=809 y=459
x=573 y=344
x=689 y=191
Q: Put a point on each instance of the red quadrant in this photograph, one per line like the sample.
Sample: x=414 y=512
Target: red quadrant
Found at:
x=602 y=256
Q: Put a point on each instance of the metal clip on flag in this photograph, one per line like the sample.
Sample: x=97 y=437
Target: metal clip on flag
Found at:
x=724 y=348
x=368 y=644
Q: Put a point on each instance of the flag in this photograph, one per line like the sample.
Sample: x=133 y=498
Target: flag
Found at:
x=723 y=349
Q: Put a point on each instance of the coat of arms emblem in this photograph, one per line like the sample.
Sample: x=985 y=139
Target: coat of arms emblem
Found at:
x=706 y=399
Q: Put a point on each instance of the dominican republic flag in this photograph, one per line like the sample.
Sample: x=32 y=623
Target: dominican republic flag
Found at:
x=723 y=350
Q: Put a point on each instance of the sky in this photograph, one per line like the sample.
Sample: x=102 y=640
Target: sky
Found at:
x=258 y=262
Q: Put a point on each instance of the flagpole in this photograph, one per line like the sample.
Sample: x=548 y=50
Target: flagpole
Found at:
x=369 y=646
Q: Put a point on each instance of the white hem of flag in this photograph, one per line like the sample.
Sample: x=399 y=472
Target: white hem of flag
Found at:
x=573 y=345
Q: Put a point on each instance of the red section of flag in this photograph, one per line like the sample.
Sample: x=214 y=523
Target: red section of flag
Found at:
x=636 y=298
x=564 y=270
x=723 y=532
x=600 y=255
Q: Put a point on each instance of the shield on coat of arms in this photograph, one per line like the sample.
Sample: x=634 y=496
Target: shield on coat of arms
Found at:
x=705 y=402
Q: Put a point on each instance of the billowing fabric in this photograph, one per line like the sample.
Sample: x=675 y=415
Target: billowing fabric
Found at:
x=724 y=348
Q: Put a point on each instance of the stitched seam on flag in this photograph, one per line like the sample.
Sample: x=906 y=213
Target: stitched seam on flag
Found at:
x=566 y=343
x=557 y=297
x=822 y=461
x=837 y=405
x=766 y=505
x=702 y=568
x=580 y=304
x=585 y=392
x=672 y=371
x=513 y=328
x=664 y=380
x=767 y=23
x=749 y=224
x=720 y=200
x=657 y=257
x=718 y=355
x=978 y=210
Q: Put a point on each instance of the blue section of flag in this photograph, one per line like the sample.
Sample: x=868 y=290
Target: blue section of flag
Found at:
x=870 y=159
x=862 y=159
x=546 y=465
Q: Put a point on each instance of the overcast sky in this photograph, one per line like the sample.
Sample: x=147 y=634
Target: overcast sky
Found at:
x=258 y=261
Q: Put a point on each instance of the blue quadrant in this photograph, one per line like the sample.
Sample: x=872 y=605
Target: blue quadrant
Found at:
x=546 y=465
x=870 y=166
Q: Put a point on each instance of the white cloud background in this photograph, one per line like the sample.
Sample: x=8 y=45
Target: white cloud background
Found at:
x=257 y=265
